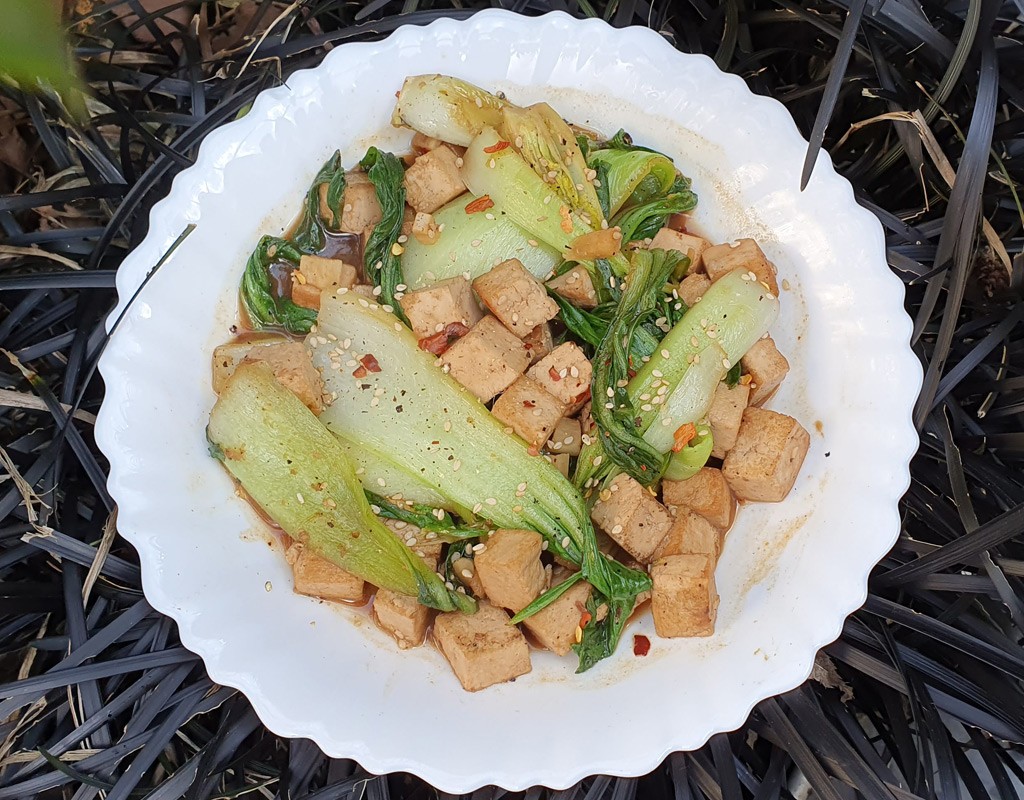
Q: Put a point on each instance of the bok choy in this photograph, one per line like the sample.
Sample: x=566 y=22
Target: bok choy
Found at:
x=381 y=256
x=446 y=108
x=292 y=467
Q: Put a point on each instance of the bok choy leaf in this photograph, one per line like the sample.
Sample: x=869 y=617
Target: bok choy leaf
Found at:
x=382 y=264
x=263 y=307
x=633 y=176
x=329 y=186
x=293 y=468
x=643 y=221
x=446 y=108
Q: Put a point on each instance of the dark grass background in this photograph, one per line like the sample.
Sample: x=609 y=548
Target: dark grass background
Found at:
x=921 y=108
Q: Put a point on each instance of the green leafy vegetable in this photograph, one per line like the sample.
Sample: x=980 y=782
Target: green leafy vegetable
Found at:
x=546 y=599
x=375 y=471
x=621 y=141
x=262 y=306
x=633 y=176
x=382 y=265
x=547 y=143
x=592 y=326
x=687 y=462
x=472 y=243
x=309 y=234
x=425 y=518
x=617 y=428
x=601 y=636
x=732 y=377
x=446 y=108
x=297 y=473
x=643 y=221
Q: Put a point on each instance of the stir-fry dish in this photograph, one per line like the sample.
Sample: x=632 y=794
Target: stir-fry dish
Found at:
x=497 y=389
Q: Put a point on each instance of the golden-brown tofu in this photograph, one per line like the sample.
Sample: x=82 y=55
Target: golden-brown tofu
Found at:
x=565 y=438
x=539 y=342
x=724 y=416
x=566 y=373
x=690 y=533
x=306 y=295
x=424 y=228
x=402 y=617
x=465 y=569
x=554 y=627
x=510 y=568
x=327 y=273
x=766 y=459
x=575 y=286
x=433 y=180
x=294 y=370
x=423 y=143
x=767 y=368
x=482 y=648
x=707 y=493
x=746 y=255
x=684 y=600
x=430 y=309
x=515 y=297
x=360 y=210
x=227 y=357
x=317 y=577
x=487 y=359
x=692 y=288
x=529 y=409
x=691 y=246
x=631 y=516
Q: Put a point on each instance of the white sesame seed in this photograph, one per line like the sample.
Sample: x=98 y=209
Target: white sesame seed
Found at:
x=665 y=353
x=300 y=498
x=491 y=501
x=598 y=460
x=566 y=542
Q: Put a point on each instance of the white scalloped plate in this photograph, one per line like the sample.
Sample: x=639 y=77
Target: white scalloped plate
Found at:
x=790 y=573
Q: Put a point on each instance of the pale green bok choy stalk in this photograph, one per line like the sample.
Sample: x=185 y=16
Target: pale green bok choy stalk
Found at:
x=296 y=471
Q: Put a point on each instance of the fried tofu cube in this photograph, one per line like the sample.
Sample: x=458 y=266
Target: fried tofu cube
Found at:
x=482 y=648
x=227 y=357
x=561 y=463
x=554 y=627
x=401 y=616
x=631 y=516
x=306 y=295
x=767 y=368
x=576 y=286
x=423 y=143
x=510 y=568
x=433 y=180
x=691 y=246
x=424 y=228
x=465 y=569
x=539 y=342
x=487 y=359
x=690 y=533
x=692 y=288
x=684 y=600
x=294 y=370
x=515 y=297
x=327 y=273
x=314 y=576
x=430 y=309
x=360 y=210
x=724 y=416
x=707 y=493
x=566 y=437
x=529 y=409
x=767 y=456
x=746 y=255
x=566 y=373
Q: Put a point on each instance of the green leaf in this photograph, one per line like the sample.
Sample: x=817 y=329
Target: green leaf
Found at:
x=383 y=267
x=426 y=518
x=644 y=220
x=732 y=377
x=34 y=51
x=263 y=307
x=309 y=234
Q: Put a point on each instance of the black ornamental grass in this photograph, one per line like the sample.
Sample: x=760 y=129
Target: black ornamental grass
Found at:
x=920 y=106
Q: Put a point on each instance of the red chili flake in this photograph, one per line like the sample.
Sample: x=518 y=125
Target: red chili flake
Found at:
x=583 y=396
x=553 y=374
x=480 y=204
x=533 y=450
x=585 y=616
x=360 y=372
x=370 y=362
x=641 y=645
x=529 y=404
x=441 y=341
x=497 y=147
